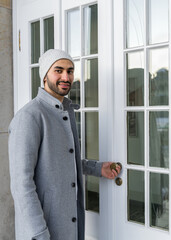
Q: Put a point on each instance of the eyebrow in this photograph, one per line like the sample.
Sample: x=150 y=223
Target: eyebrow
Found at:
x=58 y=67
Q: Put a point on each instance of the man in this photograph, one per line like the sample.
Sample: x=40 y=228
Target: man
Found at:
x=45 y=165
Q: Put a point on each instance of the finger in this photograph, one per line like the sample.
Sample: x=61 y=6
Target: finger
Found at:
x=114 y=172
x=118 y=169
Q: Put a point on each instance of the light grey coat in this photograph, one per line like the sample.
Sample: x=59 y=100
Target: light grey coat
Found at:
x=44 y=155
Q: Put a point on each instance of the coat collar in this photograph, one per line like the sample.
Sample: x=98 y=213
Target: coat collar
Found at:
x=46 y=97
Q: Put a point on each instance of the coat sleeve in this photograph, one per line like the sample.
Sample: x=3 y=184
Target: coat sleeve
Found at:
x=91 y=167
x=24 y=142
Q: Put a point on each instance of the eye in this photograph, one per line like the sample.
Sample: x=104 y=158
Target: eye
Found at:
x=58 y=71
x=70 y=72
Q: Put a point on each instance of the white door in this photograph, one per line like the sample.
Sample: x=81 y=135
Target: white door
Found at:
x=34 y=33
x=80 y=39
x=40 y=25
x=139 y=132
x=121 y=53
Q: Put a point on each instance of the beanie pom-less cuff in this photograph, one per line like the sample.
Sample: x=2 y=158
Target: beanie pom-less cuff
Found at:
x=49 y=58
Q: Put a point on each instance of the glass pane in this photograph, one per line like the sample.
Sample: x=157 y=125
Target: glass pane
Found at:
x=158 y=21
x=135 y=23
x=35 y=81
x=135 y=138
x=91 y=83
x=78 y=122
x=135 y=79
x=136 y=195
x=159 y=200
x=48 y=33
x=158 y=76
x=159 y=139
x=91 y=136
x=74 y=94
x=92 y=193
x=91 y=30
x=74 y=33
x=35 y=42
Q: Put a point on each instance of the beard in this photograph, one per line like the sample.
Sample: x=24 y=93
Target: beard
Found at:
x=55 y=87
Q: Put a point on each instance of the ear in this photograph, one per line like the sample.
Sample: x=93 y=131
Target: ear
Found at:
x=45 y=79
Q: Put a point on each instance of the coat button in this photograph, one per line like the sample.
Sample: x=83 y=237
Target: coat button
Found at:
x=74 y=219
x=65 y=118
x=73 y=184
x=57 y=106
x=71 y=150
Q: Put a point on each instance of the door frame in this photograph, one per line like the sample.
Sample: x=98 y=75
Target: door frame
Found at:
x=107 y=72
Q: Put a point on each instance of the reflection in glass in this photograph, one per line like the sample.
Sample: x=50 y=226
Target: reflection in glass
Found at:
x=158 y=76
x=35 y=42
x=135 y=79
x=91 y=136
x=35 y=81
x=136 y=196
x=74 y=33
x=74 y=94
x=90 y=29
x=48 y=33
x=135 y=23
x=92 y=193
x=159 y=200
x=159 y=21
x=159 y=139
x=91 y=83
x=135 y=138
x=78 y=123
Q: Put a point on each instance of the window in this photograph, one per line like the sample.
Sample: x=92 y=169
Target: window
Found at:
x=147 y=110
x=82 y=45
x=42 y=39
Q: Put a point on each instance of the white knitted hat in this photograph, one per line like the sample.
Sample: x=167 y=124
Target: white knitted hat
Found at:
x=49 y=58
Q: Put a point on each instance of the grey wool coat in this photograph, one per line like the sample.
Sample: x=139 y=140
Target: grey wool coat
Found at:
x=46 y=171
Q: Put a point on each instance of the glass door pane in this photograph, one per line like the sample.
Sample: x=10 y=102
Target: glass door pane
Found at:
x=48 y=33
x=158 y=21
x=159 y=200
x=90 y=30
x=35 y=80
x=35 y=41
x=74 y=94
x=136 y=196
x=135 y=138
x=158 y=76
x=91 y=82
x=135 y=78
x=159 y=139
x=74 y=33
x=91 y=136
x=134 y=23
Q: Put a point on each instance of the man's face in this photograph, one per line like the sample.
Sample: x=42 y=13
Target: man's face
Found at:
x=59 y=78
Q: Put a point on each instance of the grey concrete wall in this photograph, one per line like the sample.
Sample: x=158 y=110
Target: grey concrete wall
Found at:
x=6 y=114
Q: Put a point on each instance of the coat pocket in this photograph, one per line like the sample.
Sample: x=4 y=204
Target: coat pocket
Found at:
x=47 y=202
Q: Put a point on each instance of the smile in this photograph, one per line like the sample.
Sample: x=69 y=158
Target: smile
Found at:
x=64 y=84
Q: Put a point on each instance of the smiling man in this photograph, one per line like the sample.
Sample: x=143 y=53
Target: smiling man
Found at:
x=45 y=165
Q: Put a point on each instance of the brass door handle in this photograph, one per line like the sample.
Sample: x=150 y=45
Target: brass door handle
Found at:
x=118 y=181
x=115 y=165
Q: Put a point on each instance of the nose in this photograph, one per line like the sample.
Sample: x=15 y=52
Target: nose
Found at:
x=65 y=76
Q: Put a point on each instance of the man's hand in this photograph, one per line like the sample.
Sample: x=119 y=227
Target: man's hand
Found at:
x=107 y=172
